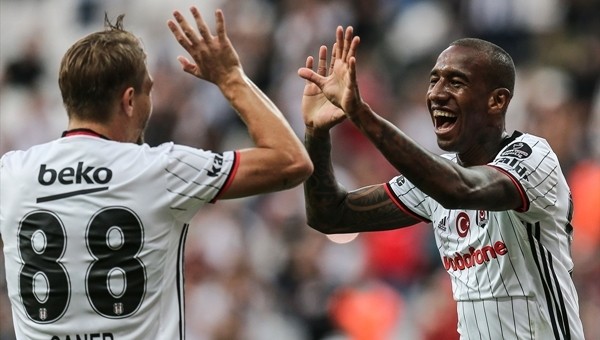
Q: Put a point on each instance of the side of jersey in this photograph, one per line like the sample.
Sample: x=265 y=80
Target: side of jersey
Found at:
x=93 y=234
x=500 y=255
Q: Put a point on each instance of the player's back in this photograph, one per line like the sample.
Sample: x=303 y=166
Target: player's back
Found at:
x=92 y=248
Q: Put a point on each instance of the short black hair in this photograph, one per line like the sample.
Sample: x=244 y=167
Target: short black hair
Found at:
x=501 y=72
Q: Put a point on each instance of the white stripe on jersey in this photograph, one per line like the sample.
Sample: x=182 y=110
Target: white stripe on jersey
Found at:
x=497 y=255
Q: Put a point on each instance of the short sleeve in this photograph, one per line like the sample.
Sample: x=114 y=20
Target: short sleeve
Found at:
x=196 y=177
x=409 y=198
x=534 y=167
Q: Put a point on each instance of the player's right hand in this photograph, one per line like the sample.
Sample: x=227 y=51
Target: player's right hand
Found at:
x=214 y=57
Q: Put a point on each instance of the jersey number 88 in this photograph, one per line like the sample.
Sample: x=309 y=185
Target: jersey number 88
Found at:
x=115 y=280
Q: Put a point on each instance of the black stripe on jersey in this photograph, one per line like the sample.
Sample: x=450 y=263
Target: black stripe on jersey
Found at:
x=181 y=281
x=190 y=165
x=69 y=194
x=516 y=134
x=402 y=206
x=477 y=319
x=549 y=282
x=176 y=175
x=555 y=199
x=195 y=168
x=513 y=228
x=186 y=181
x=519 y=240
x=569 y=226
x=184 y=195
x=535 y=168
x=563 y=315
x=543 y=180
x=522 y=192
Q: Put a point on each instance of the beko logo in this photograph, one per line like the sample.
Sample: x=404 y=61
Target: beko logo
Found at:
x=74 y=175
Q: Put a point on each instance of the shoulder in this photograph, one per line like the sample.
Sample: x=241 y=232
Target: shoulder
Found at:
x=523 y=145
x=6 y=156
x=16 y=156
x=144 y=150
x=529 y=159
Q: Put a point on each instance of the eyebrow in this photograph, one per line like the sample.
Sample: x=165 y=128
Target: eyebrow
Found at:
x=449 y=73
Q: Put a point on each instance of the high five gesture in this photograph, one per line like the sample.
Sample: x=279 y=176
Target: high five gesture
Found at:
x=339 y=85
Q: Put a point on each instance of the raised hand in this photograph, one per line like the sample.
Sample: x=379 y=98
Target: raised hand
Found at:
x=317 y=111
x=338 y=85
x=214 y=57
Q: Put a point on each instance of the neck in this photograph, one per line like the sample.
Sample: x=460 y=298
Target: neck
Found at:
x=483 y=153
x=106 y=130
x=83 y=132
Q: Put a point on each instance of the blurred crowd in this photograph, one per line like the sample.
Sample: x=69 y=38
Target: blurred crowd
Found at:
x=254 y=269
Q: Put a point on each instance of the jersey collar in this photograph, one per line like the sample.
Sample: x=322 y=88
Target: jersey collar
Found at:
x=83 y=132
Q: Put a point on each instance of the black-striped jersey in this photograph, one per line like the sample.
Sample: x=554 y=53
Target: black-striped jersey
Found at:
x=93 y=234
x=505 y=264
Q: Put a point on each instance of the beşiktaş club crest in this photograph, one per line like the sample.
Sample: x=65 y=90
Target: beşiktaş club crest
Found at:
x=118 y=308
x=43 y=314
x=482 y=218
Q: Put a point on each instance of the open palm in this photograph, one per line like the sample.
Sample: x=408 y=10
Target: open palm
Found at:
x=317 y=111
x=331 y=94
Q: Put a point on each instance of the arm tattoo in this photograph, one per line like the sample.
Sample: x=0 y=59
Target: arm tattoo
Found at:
x=322 y=193
x=371 y=209
x=331 y=209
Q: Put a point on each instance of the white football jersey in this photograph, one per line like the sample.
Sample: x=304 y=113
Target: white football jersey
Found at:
x=94 y=231
x=499 y=261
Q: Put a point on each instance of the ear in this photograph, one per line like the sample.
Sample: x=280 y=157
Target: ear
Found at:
x=499 y=99
x=127 y=100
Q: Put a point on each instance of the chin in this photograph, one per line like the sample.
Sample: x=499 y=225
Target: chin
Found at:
x=446 y=145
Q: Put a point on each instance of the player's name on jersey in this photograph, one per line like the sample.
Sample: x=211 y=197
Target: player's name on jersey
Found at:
x=89 y=336
x=74 y=175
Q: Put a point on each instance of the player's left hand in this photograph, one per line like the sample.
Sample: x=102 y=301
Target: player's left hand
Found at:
x=317 y=111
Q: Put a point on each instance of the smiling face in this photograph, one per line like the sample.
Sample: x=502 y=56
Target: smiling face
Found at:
x=458 y=99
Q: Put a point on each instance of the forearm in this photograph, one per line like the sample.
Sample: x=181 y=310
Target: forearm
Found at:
x=441 y=179
x=324 y=196
x=266 y=124
x=331 y=209
x=278 y=160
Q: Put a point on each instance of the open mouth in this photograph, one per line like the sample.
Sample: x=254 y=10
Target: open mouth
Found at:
x=443 y=121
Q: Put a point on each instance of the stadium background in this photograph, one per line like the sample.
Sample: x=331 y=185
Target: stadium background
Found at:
x=254 y=270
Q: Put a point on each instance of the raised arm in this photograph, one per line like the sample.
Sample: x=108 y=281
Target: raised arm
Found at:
x=329 y=207
x=278 y=161
x=450 y=184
